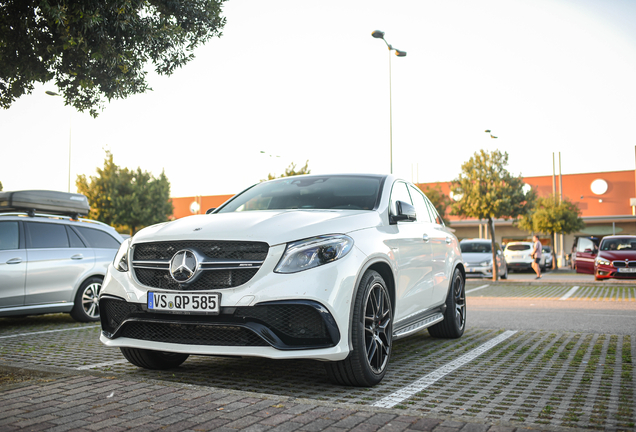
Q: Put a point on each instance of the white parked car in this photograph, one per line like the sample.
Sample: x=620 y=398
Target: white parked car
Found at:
x=325 y=267
x=518 y=256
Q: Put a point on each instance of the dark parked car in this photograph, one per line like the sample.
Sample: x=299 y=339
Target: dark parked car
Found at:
x=615 y=257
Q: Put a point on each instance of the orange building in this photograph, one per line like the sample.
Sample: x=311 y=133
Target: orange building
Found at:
x=603 y=197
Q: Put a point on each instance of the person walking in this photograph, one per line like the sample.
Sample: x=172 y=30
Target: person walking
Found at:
x=536 y=256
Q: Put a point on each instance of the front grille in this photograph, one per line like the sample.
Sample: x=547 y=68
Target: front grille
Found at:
x=224 y=264
x=210 y=279
x=227 y=250
x=623 y=264
x=192 y=334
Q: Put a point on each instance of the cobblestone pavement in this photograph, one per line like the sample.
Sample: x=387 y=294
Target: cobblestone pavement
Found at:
x=90 y=403
x=533 y=379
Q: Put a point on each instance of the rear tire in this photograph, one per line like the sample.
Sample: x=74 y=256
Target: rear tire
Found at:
x=371 y=336
x=86 y=307
x=505 y=275
x=455 y=315
x=154 y=360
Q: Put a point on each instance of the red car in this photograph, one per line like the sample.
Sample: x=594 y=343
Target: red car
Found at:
x=614 y=258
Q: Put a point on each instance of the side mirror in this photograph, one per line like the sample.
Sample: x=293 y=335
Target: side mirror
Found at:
x=588 y=250
x=208 y=211
x=405 y=212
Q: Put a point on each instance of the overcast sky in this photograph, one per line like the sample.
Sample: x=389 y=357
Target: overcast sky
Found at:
x=304 y=80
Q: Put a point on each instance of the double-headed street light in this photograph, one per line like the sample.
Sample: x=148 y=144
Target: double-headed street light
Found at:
x=51 y=93
x=380 y=35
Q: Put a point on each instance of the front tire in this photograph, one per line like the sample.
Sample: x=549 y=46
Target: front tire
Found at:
x=154 y=360
x=86 y=306
x=455 y=315
x=371 y=336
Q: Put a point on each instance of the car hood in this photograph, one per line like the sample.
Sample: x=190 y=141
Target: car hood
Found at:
x=476 y=257
x=618 y=255
x=270 y=226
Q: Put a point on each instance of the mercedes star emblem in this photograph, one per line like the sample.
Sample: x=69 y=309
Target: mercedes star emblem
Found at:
x=183 y=266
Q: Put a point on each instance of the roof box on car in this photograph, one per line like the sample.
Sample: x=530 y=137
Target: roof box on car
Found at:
x=43 y=201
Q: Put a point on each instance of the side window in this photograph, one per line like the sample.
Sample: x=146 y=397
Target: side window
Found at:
x=583 y=244
x=76 y=242
x=436 y=217
x=98 y=239
x=9 y=236
x=420 y=205
x=399 y=193
x=46 y=235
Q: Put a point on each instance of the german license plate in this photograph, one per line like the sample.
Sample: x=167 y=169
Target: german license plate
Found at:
x=184 y=302
x=627 y=270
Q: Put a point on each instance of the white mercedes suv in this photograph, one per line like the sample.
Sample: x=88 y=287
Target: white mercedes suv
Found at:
x=325 y=267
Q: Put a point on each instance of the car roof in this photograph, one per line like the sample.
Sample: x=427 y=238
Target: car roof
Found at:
x=57 y=219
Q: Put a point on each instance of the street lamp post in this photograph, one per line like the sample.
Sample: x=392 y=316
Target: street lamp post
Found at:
x=380 y=35
x=51 y=93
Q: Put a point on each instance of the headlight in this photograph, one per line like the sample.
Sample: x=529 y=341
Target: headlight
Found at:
x=602 y=261
x=121 y=259
x=313 y=252
x=485 y=263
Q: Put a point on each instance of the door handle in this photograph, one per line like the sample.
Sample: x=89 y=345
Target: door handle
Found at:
x=425 y=237
x=77 y=257
x=448 y=240
x=14 y=261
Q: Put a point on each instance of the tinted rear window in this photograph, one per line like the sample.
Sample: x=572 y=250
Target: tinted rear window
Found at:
x=518 y=247
x=98 y=239
x=475 y=247
x=47 y=235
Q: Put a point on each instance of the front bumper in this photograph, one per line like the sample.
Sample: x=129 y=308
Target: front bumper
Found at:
x=284 y=325
x=299 y=315
x=611 y=272
x=479 y=272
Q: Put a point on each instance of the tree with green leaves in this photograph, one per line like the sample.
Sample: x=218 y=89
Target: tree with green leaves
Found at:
x=0 y=186
x=291 y=171
x=439 y=199
x=125 y=198
x=98 y=49
x=552 y=217
x=486 y=190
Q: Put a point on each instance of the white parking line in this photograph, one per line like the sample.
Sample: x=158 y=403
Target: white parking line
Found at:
x=478 y=288
x=48 y=331
x=395 y=398
x=569 y=293
x=110 y=363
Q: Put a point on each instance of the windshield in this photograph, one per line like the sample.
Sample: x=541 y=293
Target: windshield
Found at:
x=626 y=243
x=310 y=192
x=475 y=247
x=517 y=247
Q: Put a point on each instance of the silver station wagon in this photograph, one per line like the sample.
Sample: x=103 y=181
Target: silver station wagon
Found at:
x=50 y=260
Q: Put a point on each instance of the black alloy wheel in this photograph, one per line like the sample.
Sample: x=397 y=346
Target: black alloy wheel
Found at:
x=377 y=328
x=455 y=315
x=371 y=335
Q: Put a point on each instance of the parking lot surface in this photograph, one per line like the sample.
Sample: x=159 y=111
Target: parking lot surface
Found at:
x=540 y=379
